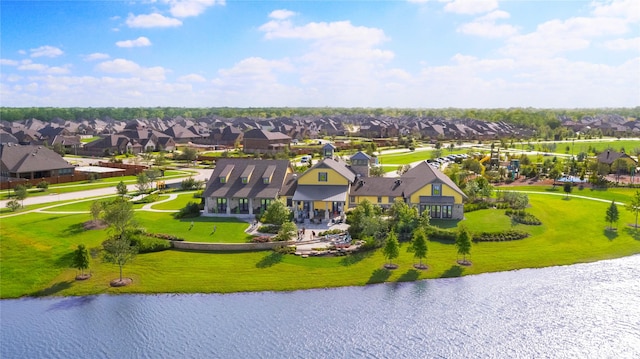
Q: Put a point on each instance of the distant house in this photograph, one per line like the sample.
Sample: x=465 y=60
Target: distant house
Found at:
x=32 y=162
x=608 y=157
x=109 y=145
x=180 y=134
x=261 y=141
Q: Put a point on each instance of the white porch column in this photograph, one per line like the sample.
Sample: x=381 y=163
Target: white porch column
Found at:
x=326 y=210
x=251 y=206
x=228 y=205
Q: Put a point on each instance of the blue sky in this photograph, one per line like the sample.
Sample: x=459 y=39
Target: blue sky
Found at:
x=409 y=54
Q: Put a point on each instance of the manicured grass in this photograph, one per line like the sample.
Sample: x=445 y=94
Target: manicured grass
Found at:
x=583 y=146
x=35 y=251
x=176 y=204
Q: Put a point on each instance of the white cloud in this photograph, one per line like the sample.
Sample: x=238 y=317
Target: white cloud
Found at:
x=139 y=42
x=626 y=9
x=192 y=78
x=623 y=44
x=557 y=36
x=485 y=26
x=46 y=51
x=123 y=66
x=28 y=65
x=281 y=14
x=7 y=62
x=187 y=8
x=470 y=7
x=151 y=20
x=96 y=56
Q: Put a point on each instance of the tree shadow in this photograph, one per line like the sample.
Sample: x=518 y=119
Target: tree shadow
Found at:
x=379 y=275
x=73 y=230
x=65 y=260
x=57 y=287
x=444 y=224
x=454 y=271
x=611 y=234
x=72 y=302
x=409 y=276
x=270 y=260
x=354 y=258
x=633 y=232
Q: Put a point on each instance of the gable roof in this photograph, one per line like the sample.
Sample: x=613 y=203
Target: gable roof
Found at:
x=426 y=174
x=610 y=156
x=233 y=168
x=337 y=166
x=361 y=156
x=266 y=135
x=30 y=158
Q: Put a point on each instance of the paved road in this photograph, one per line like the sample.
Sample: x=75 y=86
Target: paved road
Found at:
x=203 y=175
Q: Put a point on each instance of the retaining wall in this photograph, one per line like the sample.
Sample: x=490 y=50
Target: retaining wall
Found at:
x=200 y=246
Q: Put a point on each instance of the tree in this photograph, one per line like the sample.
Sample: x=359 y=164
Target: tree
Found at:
x=160 y=159
x=376 y=171
x=567 y=187
x=403 y=219
x=634 y=207
x=612 y=214
x=81 y=259
x=402 y=169
x=153 y=175
x=119 y=216
x=96 y=210
x=277 y=213
x=463 y=243
x=119 y=251
x=419 y=245
x=391 y=248
x=43 y=185
x=287 y=231
x=121 y=188
x=20 y=193
x=366 y=221
x=142 y=183
x=189 y=154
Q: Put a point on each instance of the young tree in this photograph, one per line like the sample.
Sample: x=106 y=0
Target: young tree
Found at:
x=567 y=187
x=119 y=251
x=391 y=249
x=121 y=188
x=634 y=207
x=612 y=214
x=142 y=183
x=463 y=243
x=419 y=245
x=20 y=192
x=160 y=160
x=96 y=210
x=119 y=216
x=153 y=175
x=277 y=213
x=81 y=259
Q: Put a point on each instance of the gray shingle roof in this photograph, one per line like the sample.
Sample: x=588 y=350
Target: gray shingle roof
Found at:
x=427 y=174
x=29 y=158
x=255 y=187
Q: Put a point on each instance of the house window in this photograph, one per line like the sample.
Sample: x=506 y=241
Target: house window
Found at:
x=264 y=203
x=223 y=180
x=434 y=211
x=243 y=204
x=323 y=176
x=352 y=199
x=289 y=202
x=379 y=199
x=447 y=211
x=245 y=180
x=391 y=199
x=221 y=204
x=265 y=180
x=436 y=189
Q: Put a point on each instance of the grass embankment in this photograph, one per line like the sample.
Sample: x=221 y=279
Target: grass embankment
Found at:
x=36 y=250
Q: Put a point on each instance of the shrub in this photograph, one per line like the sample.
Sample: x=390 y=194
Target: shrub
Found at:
x=192 y=209
x=148 y=244
x=269 y=228
x=13 y=205
x=285 y=250
x=43 y=185
x=510 y=235
x=331 y=231
x=441 y=234
x=260 y=239
x=522 y=217
x=470 y=207
x=147 y=199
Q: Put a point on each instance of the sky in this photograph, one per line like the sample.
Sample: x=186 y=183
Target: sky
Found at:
x=384 y=53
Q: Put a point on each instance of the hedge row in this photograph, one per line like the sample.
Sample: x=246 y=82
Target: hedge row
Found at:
x=510 y=235
x=523 y=217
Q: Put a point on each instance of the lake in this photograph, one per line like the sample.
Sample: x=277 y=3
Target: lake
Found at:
x=581 y=311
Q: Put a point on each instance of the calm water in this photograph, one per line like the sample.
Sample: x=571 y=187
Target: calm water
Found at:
x=582 y=311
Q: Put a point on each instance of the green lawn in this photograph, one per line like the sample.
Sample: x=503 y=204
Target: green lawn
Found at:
x=35 y=252
x=176 y=204
x=583 y=146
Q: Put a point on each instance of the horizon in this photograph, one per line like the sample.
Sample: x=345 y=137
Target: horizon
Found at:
x=414 y=54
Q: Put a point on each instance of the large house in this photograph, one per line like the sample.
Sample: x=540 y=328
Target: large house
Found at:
x=32 y=162
x=326 y=190
x=608 y=157
x=261 y=141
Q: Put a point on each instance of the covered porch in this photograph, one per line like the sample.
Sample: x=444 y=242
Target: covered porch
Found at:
x=315 y=204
